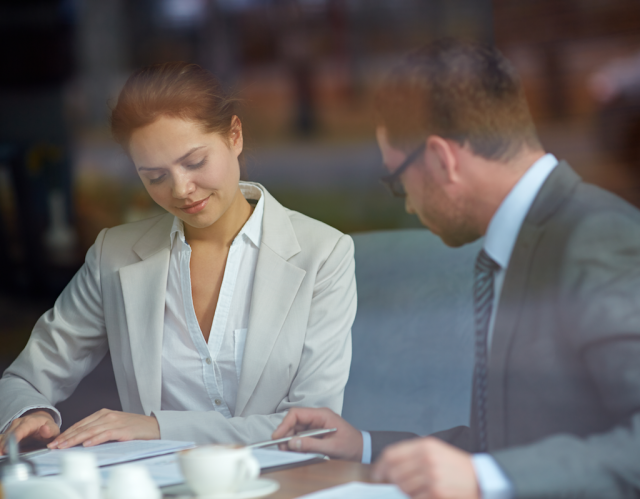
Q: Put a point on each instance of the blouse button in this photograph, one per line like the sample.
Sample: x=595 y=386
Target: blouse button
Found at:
x=208 y=360
x=218 y=401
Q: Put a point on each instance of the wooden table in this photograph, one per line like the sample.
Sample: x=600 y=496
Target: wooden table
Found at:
x=302 y=480
x=299 y=481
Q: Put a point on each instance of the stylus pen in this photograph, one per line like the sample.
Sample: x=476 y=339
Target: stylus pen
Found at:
x=308 y=433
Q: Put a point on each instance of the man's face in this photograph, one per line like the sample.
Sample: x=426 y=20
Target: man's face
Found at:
x=431 y=195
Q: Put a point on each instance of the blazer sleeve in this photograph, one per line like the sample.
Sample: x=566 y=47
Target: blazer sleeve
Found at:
x=382 y=439
x=67 y=343
x=601 y=302
x=322 y=373
x=459 y=436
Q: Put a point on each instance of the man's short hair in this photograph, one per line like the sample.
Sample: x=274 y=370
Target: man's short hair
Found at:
x=464 y=91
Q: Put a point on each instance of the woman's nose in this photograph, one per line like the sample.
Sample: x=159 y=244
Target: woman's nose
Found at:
x=182 y=186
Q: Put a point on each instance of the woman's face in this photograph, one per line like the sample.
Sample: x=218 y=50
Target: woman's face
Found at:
x=188 y=172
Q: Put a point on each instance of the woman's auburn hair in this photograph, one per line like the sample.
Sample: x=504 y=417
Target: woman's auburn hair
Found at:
x=174 y=89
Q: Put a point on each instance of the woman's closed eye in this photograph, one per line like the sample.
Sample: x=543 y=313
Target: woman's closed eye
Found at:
x=158 y=179
x=197 y=165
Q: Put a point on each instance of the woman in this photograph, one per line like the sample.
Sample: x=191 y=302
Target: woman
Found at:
x=219 y=315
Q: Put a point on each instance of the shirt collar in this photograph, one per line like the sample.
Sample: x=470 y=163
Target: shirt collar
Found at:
x=506 y=222
x=177 y=231
x=252 y=229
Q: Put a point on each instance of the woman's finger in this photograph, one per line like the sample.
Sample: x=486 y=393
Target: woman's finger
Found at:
x=79 y=435
x=114 y=434
x=48 y=430
x=27 y=428
x=4 y=436
x=98 y=417
x=88 y=433
x=89 y=419
x=68 y=436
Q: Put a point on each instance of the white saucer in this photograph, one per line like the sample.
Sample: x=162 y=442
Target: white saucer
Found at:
x=248 y=490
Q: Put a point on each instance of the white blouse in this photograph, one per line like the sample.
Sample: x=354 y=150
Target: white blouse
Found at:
x=199 y=375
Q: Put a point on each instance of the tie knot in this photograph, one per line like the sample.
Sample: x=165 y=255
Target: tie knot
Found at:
x=485 y=264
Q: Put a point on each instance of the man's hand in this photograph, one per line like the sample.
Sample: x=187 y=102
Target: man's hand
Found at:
x=106 y=425
x=428 y=468
x=345 y=443
x=37 y=425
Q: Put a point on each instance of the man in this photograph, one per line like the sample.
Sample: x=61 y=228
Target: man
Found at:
x=556 y=388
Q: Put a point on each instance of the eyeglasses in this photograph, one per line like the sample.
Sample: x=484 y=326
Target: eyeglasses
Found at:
x=392 y=182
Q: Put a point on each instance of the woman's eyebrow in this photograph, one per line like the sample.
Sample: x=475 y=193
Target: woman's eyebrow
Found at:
x=185 y=156
x=181 y=158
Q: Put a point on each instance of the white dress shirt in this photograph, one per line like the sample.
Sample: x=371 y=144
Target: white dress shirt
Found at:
x=199 y=375
x=499 y=241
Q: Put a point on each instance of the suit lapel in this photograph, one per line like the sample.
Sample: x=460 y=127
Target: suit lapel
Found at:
x=506 y=322
x=275 y=286
x=144 y=286
x=552 y=195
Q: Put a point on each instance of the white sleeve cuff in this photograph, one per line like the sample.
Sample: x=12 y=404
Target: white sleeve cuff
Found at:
x=492 y=481
x=54 y=412
x=366 y=447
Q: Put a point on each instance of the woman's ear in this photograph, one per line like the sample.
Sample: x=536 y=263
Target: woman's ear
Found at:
x=235 y=138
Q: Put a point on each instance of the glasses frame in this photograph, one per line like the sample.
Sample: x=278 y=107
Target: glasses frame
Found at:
x=392 y=181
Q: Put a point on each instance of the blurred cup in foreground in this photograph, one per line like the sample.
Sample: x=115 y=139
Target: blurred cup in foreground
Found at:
x=218 y=469
x=132 y=481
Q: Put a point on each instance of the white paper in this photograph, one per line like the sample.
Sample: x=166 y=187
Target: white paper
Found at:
x=359 y=490
x=110 y=453
x=272 y=458
x=165 y=470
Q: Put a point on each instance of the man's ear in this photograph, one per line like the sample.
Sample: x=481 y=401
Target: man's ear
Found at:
x=440 y=153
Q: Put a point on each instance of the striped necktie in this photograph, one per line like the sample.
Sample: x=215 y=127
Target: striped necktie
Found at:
x=483 y=304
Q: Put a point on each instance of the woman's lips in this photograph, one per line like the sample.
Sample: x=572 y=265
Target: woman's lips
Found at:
x=195 y=207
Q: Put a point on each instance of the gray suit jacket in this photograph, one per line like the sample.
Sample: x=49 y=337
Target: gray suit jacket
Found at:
x=563 y=413
x=298 y=347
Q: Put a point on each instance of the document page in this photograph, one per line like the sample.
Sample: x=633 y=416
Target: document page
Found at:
x=164 y=470
x=270 y=459
x=359 y=490
x=50 y=463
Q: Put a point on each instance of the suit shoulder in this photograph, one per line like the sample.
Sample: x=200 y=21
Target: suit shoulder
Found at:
x=597 y=224
x=118 y=242
x=131 y=232
x=593 y=199
x=311 y=232
x=595 y=209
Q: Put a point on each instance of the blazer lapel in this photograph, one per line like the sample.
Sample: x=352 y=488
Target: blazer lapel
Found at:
x=275 y=286
x=552 y=195
x=144 y=286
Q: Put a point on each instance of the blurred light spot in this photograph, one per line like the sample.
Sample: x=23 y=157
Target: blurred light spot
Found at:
x=183 y=13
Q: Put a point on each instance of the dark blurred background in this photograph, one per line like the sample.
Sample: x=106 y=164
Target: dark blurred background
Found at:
x=305 y=70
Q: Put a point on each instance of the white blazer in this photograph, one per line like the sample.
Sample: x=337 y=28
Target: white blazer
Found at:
x=298 y=347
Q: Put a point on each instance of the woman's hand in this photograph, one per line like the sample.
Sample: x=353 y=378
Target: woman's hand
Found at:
x=106 y=425
x=37 y=425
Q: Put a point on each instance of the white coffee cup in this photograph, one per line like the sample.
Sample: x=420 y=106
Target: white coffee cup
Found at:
x=218 y=469
x=131 y=481
x=38 y=488
x=80 y=470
